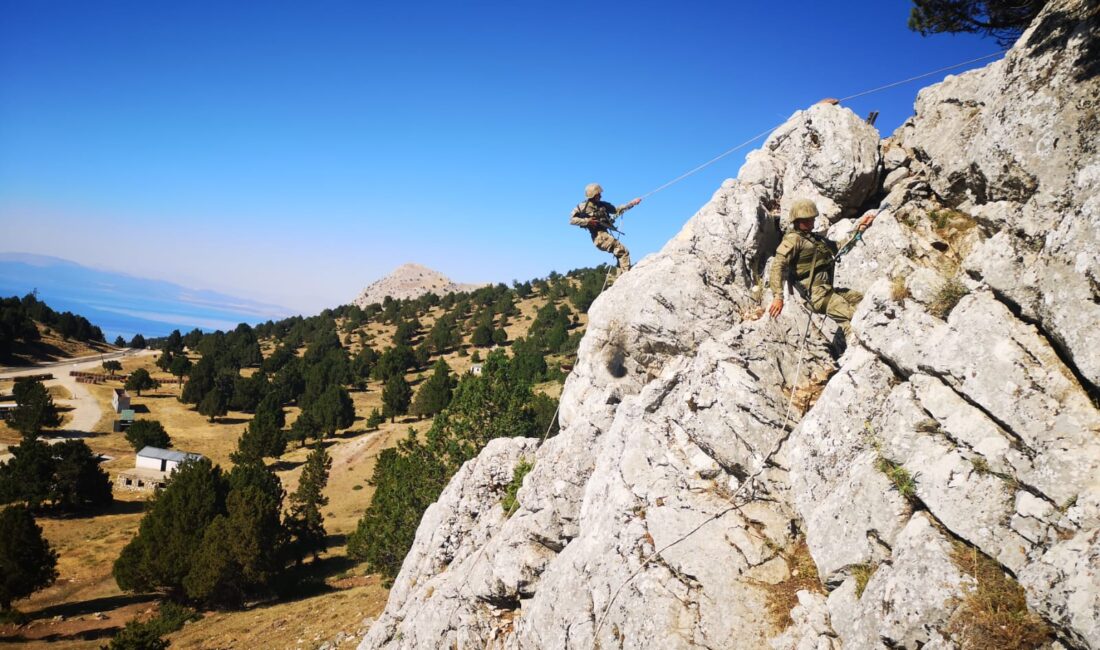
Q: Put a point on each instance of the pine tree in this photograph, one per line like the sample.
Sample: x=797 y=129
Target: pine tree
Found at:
x=111 y=366
x=28 y=474
x=34 y=408
x=162 y=553
x=1001 y=19
x=147 y=433
x=262 y=439
x=396 y=396
x=214 y=405
x=164 y=361
x=305 y=523
x=241 y=550
x=482 y=336
x=140 y=380
x=27 y=563
x=333 y=410
x=79 y=484
x=138 y=342
x=120 y=342
x=375 y=419
x=435 y=392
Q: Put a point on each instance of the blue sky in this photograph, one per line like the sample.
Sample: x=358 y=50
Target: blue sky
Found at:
x=292 y=152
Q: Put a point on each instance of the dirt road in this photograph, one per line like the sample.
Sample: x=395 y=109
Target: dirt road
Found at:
x=85 y=413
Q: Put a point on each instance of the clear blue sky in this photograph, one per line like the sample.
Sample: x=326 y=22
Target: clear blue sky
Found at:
x=294 y=151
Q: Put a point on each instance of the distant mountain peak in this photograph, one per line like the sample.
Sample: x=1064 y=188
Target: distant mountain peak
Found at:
x=410 y=280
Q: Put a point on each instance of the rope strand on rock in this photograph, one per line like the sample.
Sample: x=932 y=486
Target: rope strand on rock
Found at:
x=863 y=93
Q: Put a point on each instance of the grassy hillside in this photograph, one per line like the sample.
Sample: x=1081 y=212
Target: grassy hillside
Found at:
x=544 y=318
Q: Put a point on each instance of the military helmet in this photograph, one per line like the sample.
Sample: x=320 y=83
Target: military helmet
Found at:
x=803 y=209
x=592 y=190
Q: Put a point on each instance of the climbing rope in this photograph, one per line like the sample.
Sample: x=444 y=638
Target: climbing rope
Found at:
x=764 y=461
x=863 y=93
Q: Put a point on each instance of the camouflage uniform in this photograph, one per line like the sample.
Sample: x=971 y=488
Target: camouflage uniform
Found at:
x=604 y=213
x=812 y=255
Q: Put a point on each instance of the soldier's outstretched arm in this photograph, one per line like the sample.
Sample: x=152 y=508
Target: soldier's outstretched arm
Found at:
x=626 y=206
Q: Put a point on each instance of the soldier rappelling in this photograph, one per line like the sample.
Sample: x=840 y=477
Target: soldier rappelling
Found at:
x=598 y=216
x=810 y=261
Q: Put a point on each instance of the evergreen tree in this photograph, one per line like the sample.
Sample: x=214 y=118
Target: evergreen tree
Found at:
x=147 y=433
x=435 y=392
x=120 y=342
x=112 y=366
x=137 y=636
x=305 y=524
x=162 y=553
x=242 y=549
x=138 y=342
x=249 y=391
x=305 y=427
x=482 y=336
x=214 y=405
x=396 y=396
x=407 y=479
x=375 y=419
x=80 y=484
x=180 y=367
x=34 y=408
x=28 y=474
x=27 y=563
x=174 y=343
x=333 y=410
x=192 y=338
x=262 y=439
x=500 y=337
x=164 y=361
x=140 y=380
x=1004 y=20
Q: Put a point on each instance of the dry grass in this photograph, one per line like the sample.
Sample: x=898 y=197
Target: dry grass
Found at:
x=993 y=615
x=862 y=574
x=89 y=546
x=782 y=596
x=899 y=291
x=949 y=293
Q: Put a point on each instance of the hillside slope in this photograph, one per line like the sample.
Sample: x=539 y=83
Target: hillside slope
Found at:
x=953 y=451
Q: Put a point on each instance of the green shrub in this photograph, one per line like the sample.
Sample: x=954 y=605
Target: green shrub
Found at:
x=904 y=482
x=509 y=503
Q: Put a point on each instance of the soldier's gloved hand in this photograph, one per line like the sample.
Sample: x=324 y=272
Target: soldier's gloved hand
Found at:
x=775 y=308
x=866 y=221
x=635 y=202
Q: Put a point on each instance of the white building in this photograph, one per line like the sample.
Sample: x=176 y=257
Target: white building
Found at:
x=152 y=468
x=120 y=399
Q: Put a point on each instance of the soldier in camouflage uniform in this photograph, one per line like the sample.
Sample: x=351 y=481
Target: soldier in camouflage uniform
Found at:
x=599 y=218
x=808 y=257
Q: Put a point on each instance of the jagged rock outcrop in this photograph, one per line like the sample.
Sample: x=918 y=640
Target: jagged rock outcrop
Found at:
x=410 y=281
x=696 y=456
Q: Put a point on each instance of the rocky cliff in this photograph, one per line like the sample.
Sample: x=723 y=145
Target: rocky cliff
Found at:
x=707 y=490
x=410 y=281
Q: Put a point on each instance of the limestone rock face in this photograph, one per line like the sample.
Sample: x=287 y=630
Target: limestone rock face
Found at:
x=702 y=446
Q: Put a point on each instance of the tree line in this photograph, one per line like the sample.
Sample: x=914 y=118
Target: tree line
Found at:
x=18 y=317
